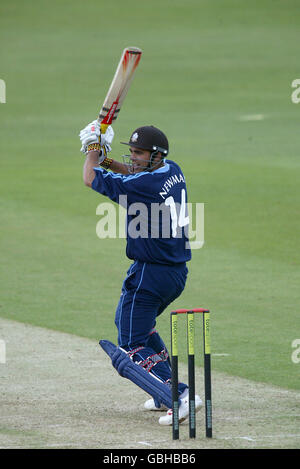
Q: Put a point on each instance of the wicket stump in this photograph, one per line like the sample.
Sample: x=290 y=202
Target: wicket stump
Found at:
x=191 y=370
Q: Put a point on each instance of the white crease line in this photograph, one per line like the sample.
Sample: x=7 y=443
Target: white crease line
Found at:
x=237 y=438
x=252 y=117
x=220 y=354
x=281 y=436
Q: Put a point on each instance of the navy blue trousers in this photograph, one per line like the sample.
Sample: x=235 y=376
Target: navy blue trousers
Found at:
x=146 y=292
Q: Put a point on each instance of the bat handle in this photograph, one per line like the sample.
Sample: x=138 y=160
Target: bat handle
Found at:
x=103 y=128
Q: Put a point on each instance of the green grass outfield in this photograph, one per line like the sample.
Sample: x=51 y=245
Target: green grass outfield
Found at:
x=207 y=66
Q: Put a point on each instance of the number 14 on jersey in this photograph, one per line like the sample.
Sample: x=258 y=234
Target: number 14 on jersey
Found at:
x=182 y=219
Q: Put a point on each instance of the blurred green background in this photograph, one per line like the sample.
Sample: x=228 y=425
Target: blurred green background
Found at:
x=216 y=77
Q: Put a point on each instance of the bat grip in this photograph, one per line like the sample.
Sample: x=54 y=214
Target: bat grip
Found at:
x=103 y=128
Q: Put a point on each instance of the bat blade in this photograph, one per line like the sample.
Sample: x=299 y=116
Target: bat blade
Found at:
x=119 y=86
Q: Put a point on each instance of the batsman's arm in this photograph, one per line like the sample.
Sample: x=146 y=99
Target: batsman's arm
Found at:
x=92 y=160
x=115 y=166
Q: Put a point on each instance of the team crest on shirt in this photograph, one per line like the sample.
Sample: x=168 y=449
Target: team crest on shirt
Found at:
x=134 y=137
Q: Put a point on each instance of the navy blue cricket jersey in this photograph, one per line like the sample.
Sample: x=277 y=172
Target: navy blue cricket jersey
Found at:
x=157 y=219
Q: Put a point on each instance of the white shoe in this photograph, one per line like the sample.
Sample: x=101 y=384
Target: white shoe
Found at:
x=150 y=405
x=183 y=411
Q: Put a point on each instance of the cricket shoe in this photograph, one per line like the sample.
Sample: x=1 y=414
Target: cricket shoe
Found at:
x=183 y=411
x=150 y=405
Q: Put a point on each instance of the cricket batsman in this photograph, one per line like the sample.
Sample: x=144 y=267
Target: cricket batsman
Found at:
x=159 y=252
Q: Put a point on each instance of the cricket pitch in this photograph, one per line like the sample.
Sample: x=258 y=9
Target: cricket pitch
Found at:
x=60 y=391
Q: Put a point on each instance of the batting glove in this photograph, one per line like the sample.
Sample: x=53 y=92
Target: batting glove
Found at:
x=91 y=134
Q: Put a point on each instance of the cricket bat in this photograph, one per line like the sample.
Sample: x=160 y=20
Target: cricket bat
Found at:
x=119 y=86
